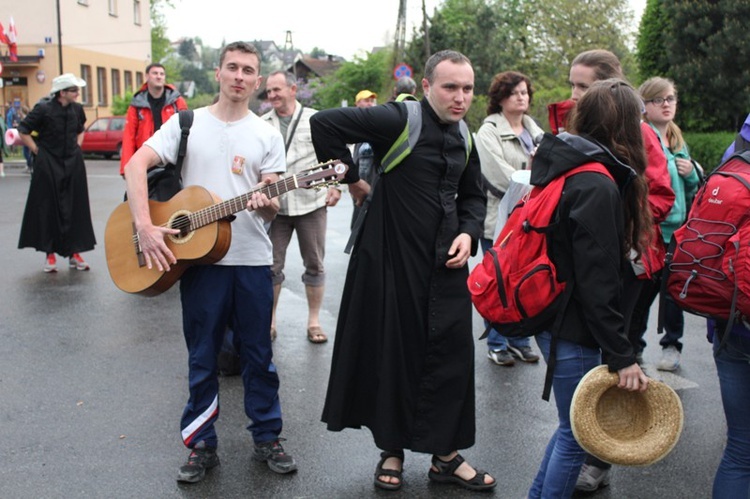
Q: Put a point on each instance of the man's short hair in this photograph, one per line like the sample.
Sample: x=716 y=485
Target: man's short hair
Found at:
x=247 y=48
x=289 y=77
x=153 y=65
x=405 y=85
x=438 y=57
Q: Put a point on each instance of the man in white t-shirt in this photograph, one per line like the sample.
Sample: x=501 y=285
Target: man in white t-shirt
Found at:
x=230 y=151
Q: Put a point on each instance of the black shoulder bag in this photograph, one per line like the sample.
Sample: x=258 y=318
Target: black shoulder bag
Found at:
x=164 y=181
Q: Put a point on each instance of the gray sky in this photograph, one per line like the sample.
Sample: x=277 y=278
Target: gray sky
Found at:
x=340 y=27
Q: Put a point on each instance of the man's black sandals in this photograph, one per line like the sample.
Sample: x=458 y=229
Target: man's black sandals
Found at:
x=446 y=474
x=380 y=471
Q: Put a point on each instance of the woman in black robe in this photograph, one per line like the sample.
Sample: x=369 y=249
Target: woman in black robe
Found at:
x=57 y=218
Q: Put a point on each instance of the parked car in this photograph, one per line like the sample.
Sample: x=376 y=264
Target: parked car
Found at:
x=104 y=136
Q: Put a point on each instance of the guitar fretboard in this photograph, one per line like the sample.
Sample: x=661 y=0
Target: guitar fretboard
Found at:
x=229 y=207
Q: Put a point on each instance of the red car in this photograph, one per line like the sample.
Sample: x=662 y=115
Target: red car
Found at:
x=104 y=136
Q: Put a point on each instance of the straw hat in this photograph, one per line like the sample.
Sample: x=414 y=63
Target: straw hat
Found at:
x=622 y=427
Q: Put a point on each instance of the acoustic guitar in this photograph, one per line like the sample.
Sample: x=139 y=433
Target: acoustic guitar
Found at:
x=204 y=225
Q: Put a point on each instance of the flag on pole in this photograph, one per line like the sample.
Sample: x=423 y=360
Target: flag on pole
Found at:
x=3 y=36
x=12 y=37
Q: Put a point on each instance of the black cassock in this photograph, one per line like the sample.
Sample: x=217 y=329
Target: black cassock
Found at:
x=403 y=359
x=57 y=218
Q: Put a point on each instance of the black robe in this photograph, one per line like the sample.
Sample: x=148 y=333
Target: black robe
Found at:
x=403 y=359
x=57 y=218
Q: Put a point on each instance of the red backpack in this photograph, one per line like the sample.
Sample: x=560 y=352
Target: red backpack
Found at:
x=515 y=288
x=708 y=262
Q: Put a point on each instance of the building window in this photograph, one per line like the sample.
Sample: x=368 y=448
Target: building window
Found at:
x=128 y=81
x=138 y=79
x=113 y=7
x=116 y=83
x=137 y=12
x=86 y=91
x=101 y=86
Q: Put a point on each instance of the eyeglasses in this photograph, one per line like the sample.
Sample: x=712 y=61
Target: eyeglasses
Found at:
x=73 y=90
x=658 y=101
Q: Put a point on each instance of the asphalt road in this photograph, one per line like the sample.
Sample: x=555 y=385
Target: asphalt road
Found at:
x=93 y=382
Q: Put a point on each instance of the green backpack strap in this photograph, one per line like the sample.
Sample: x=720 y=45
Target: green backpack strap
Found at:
x=404 y=144
x=408 y=138
x=406 y=97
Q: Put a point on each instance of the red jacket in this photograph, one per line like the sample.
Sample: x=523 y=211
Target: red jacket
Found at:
x=139 y=124
x=660 y=198
x=660 y=193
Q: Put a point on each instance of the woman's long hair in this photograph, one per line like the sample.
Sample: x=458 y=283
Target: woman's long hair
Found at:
x=656 y=87
x=610 y=113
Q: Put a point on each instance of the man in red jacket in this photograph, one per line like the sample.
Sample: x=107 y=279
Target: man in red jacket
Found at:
x=151 y=106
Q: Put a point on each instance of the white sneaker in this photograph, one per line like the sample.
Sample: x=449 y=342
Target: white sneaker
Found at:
x=670 y=359
x=592 y=478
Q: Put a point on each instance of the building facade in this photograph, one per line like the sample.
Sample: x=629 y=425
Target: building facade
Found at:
x=105 y=42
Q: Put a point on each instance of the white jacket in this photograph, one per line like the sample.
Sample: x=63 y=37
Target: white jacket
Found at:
x=501 y=153
x=300 y=156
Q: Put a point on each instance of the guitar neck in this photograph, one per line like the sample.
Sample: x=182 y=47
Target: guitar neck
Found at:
x=229 y=207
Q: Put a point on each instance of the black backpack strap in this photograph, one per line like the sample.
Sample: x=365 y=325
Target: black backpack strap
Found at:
x=663 y=285
x=740 y=143
x=186 y=121
x=357 y=227
x=555 y=332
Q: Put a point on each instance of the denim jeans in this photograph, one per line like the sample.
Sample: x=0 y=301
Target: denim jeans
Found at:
x=563 y=457
x=495 y=340
x=732 y=479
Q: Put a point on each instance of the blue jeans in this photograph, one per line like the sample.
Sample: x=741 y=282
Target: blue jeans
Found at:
x=732 y=479
x=563 y=457
x=495 y=340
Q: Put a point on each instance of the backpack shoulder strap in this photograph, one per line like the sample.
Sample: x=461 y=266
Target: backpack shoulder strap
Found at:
x=589 y=167
x=405 y=97
x=408 y=138
x=186 y=121
x=740 y=143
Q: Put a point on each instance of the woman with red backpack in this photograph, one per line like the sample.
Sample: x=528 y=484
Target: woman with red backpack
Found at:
x=599 y=222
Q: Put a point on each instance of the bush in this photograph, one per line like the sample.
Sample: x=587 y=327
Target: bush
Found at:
x=708 y=148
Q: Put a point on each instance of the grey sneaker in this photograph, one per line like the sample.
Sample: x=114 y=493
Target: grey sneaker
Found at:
x=670 y=359
x=501 y=357
x=526 y=354
x=200 y=460
x=592 y=478
x=273 y=453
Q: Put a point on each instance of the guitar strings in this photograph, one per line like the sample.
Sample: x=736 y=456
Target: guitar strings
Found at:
x=217 y=211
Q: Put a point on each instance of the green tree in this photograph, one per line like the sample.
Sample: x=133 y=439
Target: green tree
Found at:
x=561 y=29
x=652 y=41
x=187 y=50
x=492 y=34
x=159 y=40
x=372 y=72
x=709 y=46
x=203 y=83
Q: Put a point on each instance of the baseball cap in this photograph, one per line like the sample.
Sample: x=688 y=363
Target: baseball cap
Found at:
x=365 y=94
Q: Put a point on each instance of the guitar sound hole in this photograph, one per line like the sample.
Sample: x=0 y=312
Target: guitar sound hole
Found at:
x=181 y=223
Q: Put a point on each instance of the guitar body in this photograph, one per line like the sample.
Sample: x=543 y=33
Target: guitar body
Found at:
x=204 y=246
